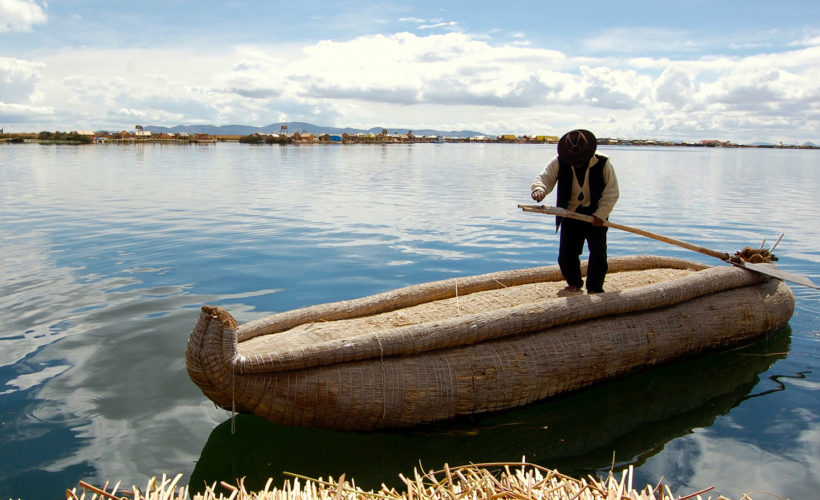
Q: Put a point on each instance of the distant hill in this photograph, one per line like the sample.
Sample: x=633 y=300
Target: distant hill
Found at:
x=301 y=127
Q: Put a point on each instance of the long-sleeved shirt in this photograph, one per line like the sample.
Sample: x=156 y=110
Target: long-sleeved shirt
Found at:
x=547 y=179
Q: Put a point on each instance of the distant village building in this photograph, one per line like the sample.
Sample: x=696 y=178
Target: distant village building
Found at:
x=140 y=133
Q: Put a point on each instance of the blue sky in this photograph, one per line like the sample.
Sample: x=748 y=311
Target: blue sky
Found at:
x=742 y=71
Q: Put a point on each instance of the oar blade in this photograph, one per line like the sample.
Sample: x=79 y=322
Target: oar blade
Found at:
x=773 y=271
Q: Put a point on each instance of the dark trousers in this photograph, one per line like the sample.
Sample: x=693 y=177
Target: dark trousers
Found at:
x=573 y=235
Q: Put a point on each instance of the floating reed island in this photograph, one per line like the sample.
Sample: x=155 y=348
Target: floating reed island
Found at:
x=516 y=481
x=472 y=345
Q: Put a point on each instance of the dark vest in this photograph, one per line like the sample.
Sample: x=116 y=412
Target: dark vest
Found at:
x=596 y=186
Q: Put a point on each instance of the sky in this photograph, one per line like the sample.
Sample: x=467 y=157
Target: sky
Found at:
x=743 y=71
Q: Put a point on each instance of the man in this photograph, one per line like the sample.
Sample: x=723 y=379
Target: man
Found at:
x=587 y=185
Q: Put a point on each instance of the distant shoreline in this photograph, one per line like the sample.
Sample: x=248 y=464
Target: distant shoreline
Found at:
x=309 y=133
x=28 y=139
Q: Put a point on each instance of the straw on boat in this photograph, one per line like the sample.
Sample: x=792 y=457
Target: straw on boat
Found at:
x=496 y=481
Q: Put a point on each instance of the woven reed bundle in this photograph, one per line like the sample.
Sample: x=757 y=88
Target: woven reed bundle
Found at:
x=421 y=321
x=426 y=293
x=496 y=347
x=498 y=481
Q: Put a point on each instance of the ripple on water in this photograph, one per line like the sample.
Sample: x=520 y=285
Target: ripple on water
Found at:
x=53 y=412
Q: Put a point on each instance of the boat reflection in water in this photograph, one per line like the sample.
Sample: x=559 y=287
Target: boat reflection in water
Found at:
x=577 y=434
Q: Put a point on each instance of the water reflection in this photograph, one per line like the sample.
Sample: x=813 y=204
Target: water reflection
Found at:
x=632 y=418
x=108 y=252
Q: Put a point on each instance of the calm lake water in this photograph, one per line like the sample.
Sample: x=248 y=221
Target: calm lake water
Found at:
x=109 y=251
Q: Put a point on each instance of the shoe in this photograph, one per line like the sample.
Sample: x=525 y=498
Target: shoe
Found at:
x=592 y=292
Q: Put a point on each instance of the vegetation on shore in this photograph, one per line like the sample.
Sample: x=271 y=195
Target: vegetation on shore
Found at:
x=499 y=481
x=64 y=138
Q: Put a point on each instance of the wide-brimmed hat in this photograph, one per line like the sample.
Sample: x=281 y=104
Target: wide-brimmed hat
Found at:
x=577 y=146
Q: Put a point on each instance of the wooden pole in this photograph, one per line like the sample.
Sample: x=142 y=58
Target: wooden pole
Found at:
x=767 y=269
x=560 y=212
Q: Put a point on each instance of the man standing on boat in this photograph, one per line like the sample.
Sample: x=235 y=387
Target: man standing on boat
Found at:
x=587 y=185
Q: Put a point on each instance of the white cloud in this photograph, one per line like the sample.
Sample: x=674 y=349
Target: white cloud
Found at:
x=449 y=69
x=448 y=81
x=613 y=89
x=130 y=113
x=22 y=113
x=674 y=87
x=769 y=82
x=20 y=15
x=442 y=24
x=18 y=78
x=429 y=24
x=18 y=88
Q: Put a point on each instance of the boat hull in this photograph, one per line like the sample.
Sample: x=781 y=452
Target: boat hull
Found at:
x=357 y=391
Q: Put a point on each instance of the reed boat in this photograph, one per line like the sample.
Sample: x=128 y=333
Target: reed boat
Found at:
x=471 y=345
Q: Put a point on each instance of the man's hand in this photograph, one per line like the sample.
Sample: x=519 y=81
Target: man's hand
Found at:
x=596 y=221
x=539 y=194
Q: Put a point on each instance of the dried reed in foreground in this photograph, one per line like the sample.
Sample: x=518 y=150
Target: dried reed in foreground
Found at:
x=495 y=481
